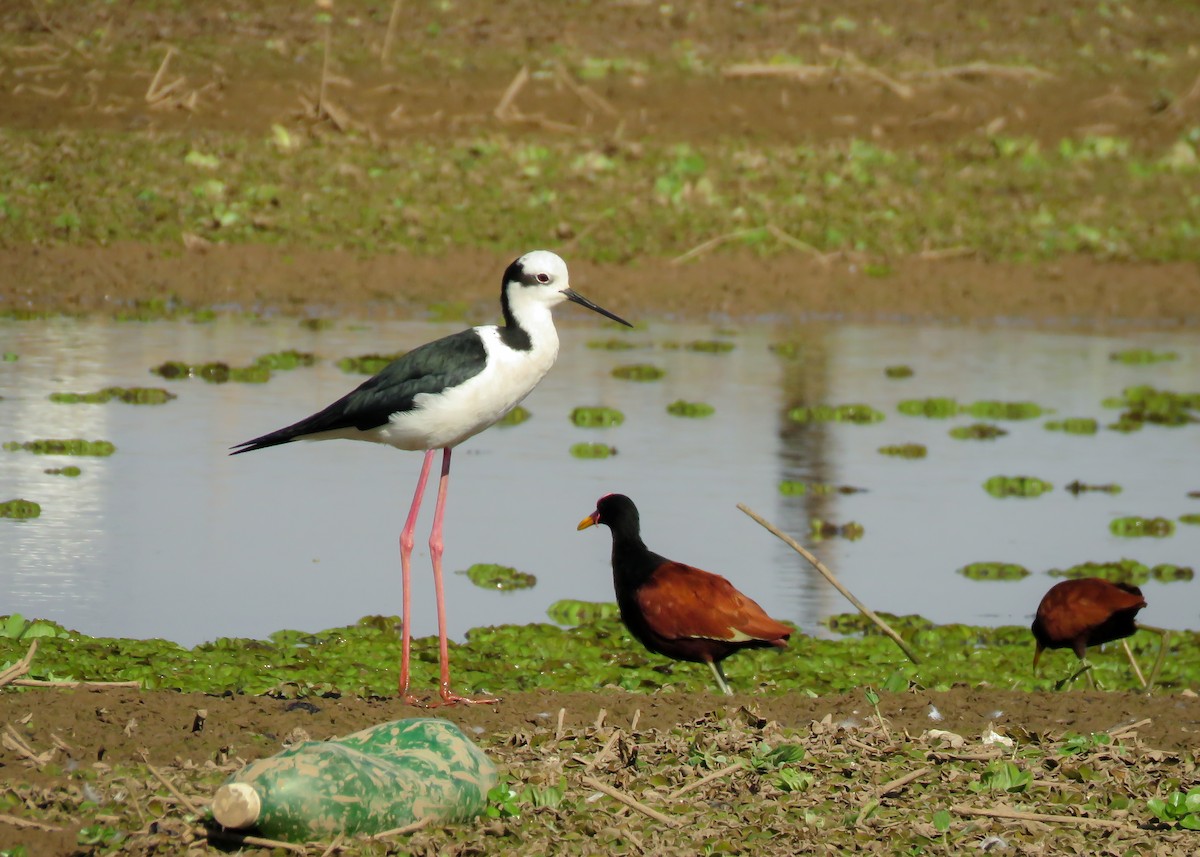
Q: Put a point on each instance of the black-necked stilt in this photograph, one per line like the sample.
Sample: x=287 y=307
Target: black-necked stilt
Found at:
x=678 y=610
x=441 y=393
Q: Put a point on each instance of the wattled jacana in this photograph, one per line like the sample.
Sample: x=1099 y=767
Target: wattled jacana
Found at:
x=674 y=609
x=1090 y=611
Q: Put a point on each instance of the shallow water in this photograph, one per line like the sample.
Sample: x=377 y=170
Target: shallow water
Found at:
x=170 y=537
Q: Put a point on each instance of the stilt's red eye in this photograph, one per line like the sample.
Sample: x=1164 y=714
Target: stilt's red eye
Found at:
x=543 y=278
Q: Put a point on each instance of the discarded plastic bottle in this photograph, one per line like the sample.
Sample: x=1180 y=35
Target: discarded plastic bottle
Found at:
x=381 y=778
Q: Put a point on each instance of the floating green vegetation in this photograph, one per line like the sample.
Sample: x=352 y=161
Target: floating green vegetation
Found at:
x=163 y=309
x=448 y=310
x=515 y=417
x=861 y=414
x=283 y=361
x=592 y=450
x=994 y=571
x=857 y=623
x=19 y=509
x=819 y=530
x=596 y=417
x=1190 y=518
x=1073 y=425
x=993 y=410
x=710 y=346
x=1179 y=809
x=367 y=364
x=1144 y=404
x=70 y=470
x=214 y=373
x=791 y=488
x=898 y=371
x=571 y=612
x=1125 y=571
x=638 y=372
x=75 y=446
x=1078 y=488
x=1016 y=486
x=9 y=357
x=938 y=408
x=1135 y=527
x=502 y=577
x=695 y=410
x=1142 y=356
x=904 y=450
x=789 y=350
x=129 y=395
x=614 y=343
x=315 y=324
x=978 y=431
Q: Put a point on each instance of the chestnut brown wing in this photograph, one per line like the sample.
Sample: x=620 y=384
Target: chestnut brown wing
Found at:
x=680 y=601
x=1074 y=607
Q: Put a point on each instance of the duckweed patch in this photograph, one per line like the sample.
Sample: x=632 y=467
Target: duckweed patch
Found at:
x=571 y=612
x=819 y=530
x=1143 y=356
x=515 y=417
x=1190 y=518
x=613 y=343
x=70 y=471
x=596 y=417
x=216 y=372
x=1016 y=486
x=710 y=346
x=592 y=450
x=904 y=450
x=1076 y=487
x=283 y=361
x=993 y=571
x=937 y=408
x=1073 y=425
x=367 y=364
x=74 y=446
x=1144 y=404
x=21 y=509
x=9 y=357
x=793 y=488
x=638 y=372
x=501 y=577
x=994 y=410
x=859 y=414
x=1125 y=571
x=693 y=410
x=787 y=350
x=129 y=395
x=1132 y=527
x=897 y=372
x=977 y=431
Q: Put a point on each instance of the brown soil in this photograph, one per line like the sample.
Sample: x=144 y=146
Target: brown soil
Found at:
x=116 y=727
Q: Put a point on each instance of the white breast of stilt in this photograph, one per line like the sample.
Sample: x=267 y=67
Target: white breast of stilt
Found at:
x=456 y=413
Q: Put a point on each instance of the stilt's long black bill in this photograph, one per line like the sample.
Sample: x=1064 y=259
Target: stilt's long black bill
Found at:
x=575 y=297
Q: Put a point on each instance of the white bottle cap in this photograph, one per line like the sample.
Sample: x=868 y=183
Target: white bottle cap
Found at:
x=236 y=805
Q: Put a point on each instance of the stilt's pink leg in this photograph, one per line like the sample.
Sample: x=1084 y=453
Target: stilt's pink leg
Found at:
x=449 y=697
x=406 y=547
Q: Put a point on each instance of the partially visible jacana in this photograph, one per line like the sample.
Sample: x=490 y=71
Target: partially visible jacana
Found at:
x=674 y=609
x=1076 y=614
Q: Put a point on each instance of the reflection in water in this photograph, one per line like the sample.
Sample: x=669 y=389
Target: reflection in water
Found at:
x=170 y=537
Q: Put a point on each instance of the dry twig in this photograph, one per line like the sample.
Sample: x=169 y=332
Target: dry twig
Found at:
x=408 y=828
x=706 y=779
x=20 y=667
x=222 y=835
x=393 y=19
x=1017 y=815
x=28 y=823
x=828 y=575
x=170 y=787
x=630 y=802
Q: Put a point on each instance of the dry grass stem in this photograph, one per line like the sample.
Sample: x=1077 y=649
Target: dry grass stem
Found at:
x=1130 y=727
x=558 y=729
x=983 y=69
x=5 y=818
x=706 y=779
x=401 y=831
x=504 y=109
x=389 y=34
x=898 y=783
x=604 y=751
x=945 y=253
x=711 y=243
x=802 y=73
x=857 y=66
x=630 y=802
x=20 y=667
x=1017 y=815
x=152 y=93
x=583 y=93
x=178 y=795
x=796 y=243
x=232 y=836
x=828 y=575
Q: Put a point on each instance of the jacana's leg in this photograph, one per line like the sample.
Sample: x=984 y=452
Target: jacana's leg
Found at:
x=719 y=675
x=406 y=547
x=449 y=697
